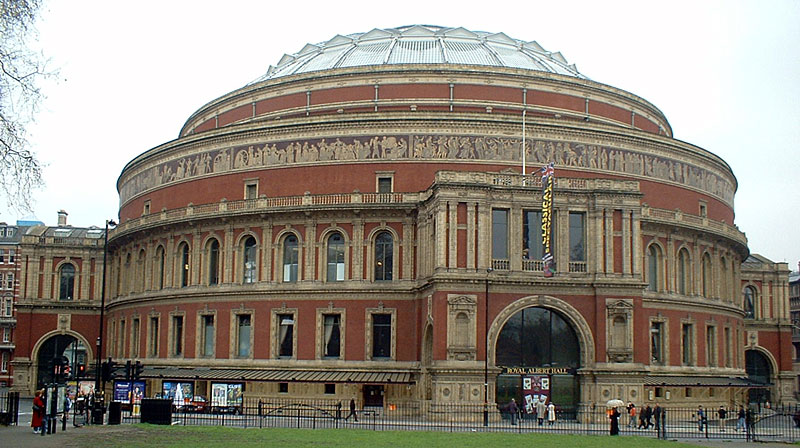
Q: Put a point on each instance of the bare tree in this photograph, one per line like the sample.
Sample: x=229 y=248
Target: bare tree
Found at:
x=20 y=70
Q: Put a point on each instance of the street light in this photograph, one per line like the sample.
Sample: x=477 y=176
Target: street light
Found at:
x=111 y=223
x=486 y=351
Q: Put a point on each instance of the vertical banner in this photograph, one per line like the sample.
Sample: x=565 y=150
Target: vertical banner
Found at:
x=548 y=179
x=535 y=388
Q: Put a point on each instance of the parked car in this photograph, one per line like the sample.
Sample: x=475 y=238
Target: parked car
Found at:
x=198 y=404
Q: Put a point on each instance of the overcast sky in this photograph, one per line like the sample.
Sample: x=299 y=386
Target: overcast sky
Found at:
x=725 y=73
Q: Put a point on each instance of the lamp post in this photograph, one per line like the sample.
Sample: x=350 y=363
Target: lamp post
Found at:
x=111 y=223
x=486 y=351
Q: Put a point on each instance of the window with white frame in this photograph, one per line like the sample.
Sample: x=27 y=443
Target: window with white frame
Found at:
x=335 y=258
x=66 y=282
x=4 y=362
x=249 y=261
x=384 y=257
x=6 y=334
x=291 y=260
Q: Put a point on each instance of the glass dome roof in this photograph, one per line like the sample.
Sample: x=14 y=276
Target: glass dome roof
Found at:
x=421 y=44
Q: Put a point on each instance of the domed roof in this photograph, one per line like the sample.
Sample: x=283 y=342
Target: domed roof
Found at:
x=421 y=44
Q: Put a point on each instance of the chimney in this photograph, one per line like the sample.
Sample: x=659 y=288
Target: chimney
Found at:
x=62 y=218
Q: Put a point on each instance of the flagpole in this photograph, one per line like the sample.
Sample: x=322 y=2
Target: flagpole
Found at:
x=523 y=144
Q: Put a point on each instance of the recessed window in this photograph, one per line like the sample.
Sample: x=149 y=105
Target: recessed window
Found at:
x=577 y=236
x=687 y=344
x=384 y=258
x=177 y=335
x=657 y=343
x=381 y=335
x=135 y=323
x=183 y=251
x=283 y=388
x=243 y=336
x=146 y=207
x=330 y=389
x=384 y=184
x=500 y=235
x=703 y=209
x=207 y=343
x=249 y=260
x=332 y=335
x=286 y=335
x=66 y=282
x=153 y=346
x=335 y=258
x=290 y=259
x=213 y=262
x=251 y=190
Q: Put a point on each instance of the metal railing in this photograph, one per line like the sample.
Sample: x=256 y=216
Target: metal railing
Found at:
x=762 y=424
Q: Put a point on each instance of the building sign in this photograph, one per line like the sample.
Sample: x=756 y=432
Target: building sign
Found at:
x=548 y=178
x=537 y=371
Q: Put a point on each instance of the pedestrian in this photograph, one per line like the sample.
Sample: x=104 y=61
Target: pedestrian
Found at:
x=614 y=416
x=352 y=410
x=513 y=410
x=541 y=410
x=37 y=419
x=723 y=414
x=551 y=413
x=641 y=418
x=648 y=414
x=658 y=413
x=631 y=415
x=701 y=418
x=740 y=420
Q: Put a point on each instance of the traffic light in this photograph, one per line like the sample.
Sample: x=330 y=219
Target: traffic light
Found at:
x=81 y=371
x=109 y=370
x=128 y=370
x=138 y=368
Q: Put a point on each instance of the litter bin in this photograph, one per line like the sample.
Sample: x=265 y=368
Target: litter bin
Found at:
x=114 y=413
x=156 y=411
x=97 y=415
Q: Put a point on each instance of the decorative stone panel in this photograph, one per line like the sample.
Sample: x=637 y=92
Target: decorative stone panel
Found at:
x=461 y=327
x=619 y=330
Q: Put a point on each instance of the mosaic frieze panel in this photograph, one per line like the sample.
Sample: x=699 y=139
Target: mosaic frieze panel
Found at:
x=427 y=147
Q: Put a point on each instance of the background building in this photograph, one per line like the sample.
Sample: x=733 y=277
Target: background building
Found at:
x=365 y=221
x=9 y=291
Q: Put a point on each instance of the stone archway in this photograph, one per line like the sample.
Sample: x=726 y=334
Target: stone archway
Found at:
x=761 y=367
x=71 y=345
x=570 y=314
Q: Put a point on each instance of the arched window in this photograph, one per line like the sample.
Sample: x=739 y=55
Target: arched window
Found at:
x=66 y=282
x=683 y=272
x=383 y=256
x=161 y=258
x=653 y=268
x=249 y=262
x=335 y=258
x=183 y=254
x=140 y=269
x=750 y=302
x=213 y=262
x=706 y=275
x=290 y=259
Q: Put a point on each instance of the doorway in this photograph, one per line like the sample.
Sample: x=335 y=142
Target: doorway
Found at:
x=373 y=395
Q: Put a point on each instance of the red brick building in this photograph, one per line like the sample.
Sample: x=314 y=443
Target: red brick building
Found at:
x=365 y=221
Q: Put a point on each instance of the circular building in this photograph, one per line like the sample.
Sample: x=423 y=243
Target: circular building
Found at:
x=365 y=221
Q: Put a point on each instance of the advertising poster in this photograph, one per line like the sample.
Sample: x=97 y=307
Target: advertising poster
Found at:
x=534 y=388
x=180 y=393
x=226 y=394
x=127 y=391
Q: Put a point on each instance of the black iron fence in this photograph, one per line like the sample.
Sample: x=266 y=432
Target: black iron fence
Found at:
x=9 y=408
x=763 y=424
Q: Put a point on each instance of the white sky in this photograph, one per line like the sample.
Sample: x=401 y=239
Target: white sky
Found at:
x=725 y=73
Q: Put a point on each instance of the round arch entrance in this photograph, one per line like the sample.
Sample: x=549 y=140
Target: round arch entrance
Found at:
x=759 y=370
x=538 y=352
x=70 y=347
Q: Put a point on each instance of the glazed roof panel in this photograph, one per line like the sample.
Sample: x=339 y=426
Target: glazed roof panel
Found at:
x=421 y=44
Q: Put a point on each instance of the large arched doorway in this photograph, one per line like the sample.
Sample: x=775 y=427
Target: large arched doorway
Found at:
x=758 y=370
x=538 y=353
x=73 y=349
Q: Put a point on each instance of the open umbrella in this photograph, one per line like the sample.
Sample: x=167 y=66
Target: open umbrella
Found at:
x=615 y=403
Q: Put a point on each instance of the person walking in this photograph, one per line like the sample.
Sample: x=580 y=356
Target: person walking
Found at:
x=658 y=413
x=614 y=416
x=37 y=419
x=551 y=413
x=631 y=415
x=740 y=421
x=648 y=415
x=701 y=418
x=353 y=412
x=541 y=410
x=513 y=410
x=723 y=414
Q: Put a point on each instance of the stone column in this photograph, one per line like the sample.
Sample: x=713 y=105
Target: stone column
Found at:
x=626 y=243
x=408 y=249
x=609 y=239
x=638 y=255
x=265 y=273
x=471 y=211
x=452 y=238
x=309 y=257
x=358 y=249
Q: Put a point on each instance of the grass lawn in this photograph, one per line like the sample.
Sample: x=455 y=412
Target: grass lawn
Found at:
x=211 y=437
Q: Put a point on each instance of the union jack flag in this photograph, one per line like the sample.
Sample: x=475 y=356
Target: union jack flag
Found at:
x=548 y=170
